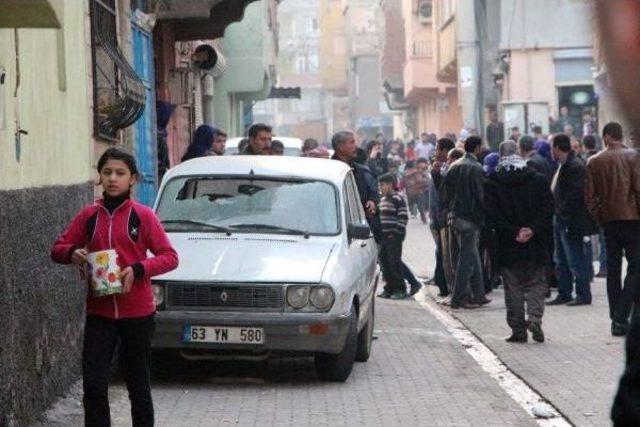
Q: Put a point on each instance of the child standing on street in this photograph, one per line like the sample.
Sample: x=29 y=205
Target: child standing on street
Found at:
x=393 y=217
x=126 y=319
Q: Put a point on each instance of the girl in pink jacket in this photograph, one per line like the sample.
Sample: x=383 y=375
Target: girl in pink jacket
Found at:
x=124 y=320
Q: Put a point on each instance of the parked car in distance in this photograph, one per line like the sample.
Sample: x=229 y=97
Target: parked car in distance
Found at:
x=292 y=146
x=276 y=257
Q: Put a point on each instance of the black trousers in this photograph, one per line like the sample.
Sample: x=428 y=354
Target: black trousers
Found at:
x=391 y=260
x=622 y=237
x=626 y=406
x=132 y=337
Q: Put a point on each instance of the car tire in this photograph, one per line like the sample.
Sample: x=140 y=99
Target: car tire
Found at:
x=337 y=367
x=365 y=337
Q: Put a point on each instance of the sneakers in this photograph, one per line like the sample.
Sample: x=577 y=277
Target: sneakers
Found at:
x=384 y=294
x=518 y=337
x=536 y=332
x=577 y=302
x=619 y=329
x=398 y=295
x=414 y=290
x=559 y=301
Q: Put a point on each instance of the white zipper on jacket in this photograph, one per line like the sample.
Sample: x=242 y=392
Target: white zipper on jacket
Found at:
x=115 y=303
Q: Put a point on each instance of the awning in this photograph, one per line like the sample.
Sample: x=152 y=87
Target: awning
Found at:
x=201 y=19
x=28 y=14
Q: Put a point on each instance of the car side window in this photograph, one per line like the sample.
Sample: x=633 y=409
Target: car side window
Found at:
x=356 y=214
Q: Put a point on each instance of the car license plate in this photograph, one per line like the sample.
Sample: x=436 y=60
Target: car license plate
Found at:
x=223 y=334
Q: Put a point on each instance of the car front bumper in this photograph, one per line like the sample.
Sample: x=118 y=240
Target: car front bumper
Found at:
x=283 y=332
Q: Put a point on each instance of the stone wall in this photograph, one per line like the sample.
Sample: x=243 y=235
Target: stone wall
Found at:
x=41 y=303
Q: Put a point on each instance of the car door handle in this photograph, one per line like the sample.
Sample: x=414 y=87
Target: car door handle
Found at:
x=363 y=244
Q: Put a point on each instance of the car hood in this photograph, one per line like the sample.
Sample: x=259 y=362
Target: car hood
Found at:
x=248 y=259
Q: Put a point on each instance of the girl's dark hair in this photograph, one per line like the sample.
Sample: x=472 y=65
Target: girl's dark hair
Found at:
x=114 y=153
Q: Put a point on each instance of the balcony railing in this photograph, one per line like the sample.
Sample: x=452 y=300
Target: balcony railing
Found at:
x=422 y=49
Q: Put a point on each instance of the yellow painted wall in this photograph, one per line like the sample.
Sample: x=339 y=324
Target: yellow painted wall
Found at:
x=333 y=46
x=58 y=148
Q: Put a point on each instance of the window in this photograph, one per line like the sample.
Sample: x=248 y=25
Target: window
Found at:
x=118 y=93
x=422 y=49
x=301 y=64
x=259 y=205
x=355 y=205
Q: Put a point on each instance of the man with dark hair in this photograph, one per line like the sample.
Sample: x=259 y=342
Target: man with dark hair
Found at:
x=277 y=148
x=393 y=217
x=495 y=131
x=534 y=160
x=571 y=224
x=416 y=185
x=589 y=143
x=219 y=144
x=515 y=134
x=443 y=275
x=613 y=197
x=614 y=203
x=259 y=140
x=519 y=209
x=463 y=195
x=346 y=150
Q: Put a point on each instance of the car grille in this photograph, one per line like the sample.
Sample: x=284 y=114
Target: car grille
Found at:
x=224 y=297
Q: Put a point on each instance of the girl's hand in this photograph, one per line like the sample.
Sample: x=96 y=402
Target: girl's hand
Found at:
x=79 y=256
x=127 y=276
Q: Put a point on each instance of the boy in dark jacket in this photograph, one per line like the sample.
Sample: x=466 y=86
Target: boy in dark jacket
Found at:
x=520 y=209
x=394 y=216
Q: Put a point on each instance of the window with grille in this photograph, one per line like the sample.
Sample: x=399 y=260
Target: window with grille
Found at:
x=118 y=92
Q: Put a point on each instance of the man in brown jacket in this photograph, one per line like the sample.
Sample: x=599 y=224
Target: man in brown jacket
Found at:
x=613 y=197
x=620 y=32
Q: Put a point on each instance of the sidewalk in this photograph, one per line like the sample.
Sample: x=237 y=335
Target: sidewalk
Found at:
x=576 y=369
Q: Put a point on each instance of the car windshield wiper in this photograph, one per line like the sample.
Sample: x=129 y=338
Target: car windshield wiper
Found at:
x=201 y=224
x=272 y=227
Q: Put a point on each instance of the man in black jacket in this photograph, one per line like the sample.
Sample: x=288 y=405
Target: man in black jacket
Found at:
x=520 y=209
x=572 y=222
x=533 y=159
x=462 y=194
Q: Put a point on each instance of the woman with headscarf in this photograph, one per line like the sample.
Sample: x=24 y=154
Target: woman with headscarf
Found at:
x=202 y=142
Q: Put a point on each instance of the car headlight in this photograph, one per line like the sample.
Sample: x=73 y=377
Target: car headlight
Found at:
x=158 y=294
x=298 y=296
x=321 y=297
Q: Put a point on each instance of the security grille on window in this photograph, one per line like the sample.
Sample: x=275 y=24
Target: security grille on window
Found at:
x=118 y=93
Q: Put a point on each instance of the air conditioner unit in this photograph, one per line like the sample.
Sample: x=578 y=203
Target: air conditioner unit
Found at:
x=425 y=11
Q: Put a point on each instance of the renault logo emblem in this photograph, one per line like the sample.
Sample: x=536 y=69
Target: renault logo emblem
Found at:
x=224 y=296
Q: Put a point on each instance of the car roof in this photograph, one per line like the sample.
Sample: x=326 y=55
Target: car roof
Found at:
x=286 y=141
x=333 y=171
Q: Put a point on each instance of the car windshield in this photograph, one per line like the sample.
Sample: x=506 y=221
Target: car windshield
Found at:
x=221 y=204
x=288 y=151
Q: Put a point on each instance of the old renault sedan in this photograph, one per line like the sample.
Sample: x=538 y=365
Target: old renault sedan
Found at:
x=275 y=257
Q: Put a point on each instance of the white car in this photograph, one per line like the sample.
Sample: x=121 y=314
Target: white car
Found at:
x=275 y=257
x=292 y=146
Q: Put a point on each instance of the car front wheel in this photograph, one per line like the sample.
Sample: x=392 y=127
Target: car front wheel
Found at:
x=365 y=337
x=337 y=367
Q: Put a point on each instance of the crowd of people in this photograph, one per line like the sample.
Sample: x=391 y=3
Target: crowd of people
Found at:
x=527 y=215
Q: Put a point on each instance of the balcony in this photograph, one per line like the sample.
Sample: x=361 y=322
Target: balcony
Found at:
x=200 y=19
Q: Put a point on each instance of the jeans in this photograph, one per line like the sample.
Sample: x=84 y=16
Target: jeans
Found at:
x=524 y=282
x=410 y=277
x=588 y=255
x=570 y=262
x=419 y=201
x=133 y=339
x=626 y=405
x=603 y=251
x=622 y=236
x=391 y=261
x=468 y=283
x=438 y=276
x=449 y=256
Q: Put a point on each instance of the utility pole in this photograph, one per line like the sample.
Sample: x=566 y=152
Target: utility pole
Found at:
x=469 y=64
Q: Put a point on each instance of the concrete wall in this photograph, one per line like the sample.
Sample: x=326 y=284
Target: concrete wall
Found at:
x=52 y=103
x=546 y=23
x=41 y=303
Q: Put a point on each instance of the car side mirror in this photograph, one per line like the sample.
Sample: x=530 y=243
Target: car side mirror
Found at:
x=358 y=231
